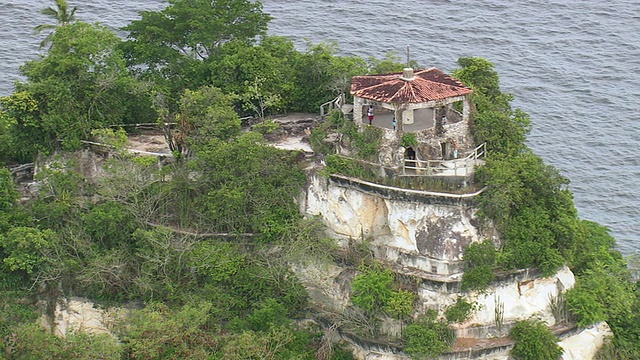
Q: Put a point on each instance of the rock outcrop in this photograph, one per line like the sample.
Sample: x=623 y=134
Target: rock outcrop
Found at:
x=423 y=235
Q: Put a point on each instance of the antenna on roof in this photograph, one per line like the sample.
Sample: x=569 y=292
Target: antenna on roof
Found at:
x=408 y=62
x=407 y=72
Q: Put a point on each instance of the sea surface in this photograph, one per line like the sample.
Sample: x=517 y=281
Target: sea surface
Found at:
x=572 y=65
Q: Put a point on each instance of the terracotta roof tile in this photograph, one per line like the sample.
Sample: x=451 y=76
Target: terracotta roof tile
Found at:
x=428 y=85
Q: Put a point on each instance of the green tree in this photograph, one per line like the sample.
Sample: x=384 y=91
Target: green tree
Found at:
x=172 y=47
x=197 y=28
x=245 y=186
x=109 y=224
x=262 y=75
x=531 y=206
x=61 y=195
x=601 y=294
x=390 y=63
x=204 y=114
x=19 y=125
x=80 y=85
x=9 y=195
x=27 y=249
x=61 y=14
x=321 y=75
x=504 y=130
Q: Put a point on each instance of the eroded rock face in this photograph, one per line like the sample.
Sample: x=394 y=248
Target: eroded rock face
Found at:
x=511 y=300
x=581 y=344
x=426 y=238
x=436 y=231
x=80 y=315
x=586 y=343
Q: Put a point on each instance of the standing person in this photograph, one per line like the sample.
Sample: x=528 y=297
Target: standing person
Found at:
x=370 y=114
x=394 y=123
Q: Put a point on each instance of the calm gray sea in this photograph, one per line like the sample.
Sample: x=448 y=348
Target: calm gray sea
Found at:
x=573 y=65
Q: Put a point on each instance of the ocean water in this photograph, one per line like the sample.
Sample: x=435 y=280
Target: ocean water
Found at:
x=572 y=65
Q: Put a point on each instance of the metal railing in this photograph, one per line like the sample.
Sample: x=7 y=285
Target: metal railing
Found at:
x=333 y=104
x=456 y=167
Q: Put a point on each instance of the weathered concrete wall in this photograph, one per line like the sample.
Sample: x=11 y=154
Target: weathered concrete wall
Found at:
x=391 y=153
x=578 y=344
x=517 y=300
x=418 y=230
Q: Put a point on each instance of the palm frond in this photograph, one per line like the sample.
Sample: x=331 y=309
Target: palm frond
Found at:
x=49 y=12
x=40 y=28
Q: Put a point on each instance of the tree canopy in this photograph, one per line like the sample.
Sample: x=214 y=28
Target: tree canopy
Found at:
x=61 y=14
x=206 y=241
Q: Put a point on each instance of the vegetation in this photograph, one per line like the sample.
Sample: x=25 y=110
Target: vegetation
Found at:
x=532 y=208
x=61 y=14
x=534 y=341
x=205 y=243
x=479 y=265
x=372 y=289
x=427 y=338
x=408 y=140
x=460 y=311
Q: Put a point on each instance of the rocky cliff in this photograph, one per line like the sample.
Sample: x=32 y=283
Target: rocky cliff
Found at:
x=423 y=235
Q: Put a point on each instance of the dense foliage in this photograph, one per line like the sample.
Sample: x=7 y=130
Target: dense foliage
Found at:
x=534 y=341
x=529 y=203
x=427 y=338
x=190 y=238
x=479 y=262
x=204 y=242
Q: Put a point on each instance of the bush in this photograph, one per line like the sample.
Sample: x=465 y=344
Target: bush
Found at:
x=372 y=289
x=366 y=142
x=337 y=164
x=317 y=137
x=400 y=304
x=460 y=311
x=477 y=278
x=479 y=260
x=479 y=254
x=534 y=341
x=266 y=127
x=408 y=140
x=427 y=338
x=110 y=224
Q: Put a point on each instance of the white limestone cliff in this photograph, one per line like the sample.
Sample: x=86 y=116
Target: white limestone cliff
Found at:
x=424 y=235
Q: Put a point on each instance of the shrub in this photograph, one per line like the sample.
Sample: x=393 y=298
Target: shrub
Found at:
x=372 y=289
x=479 y=260
x=408 y=140
x=317 y=137
x=460 y=311
x=266 y=127
x=477 y=278
x=337 y=164
x=534 y=341
x=427 y=337
x=366 y=142
x=110 y=224
x=479 y=254
x=400 y=304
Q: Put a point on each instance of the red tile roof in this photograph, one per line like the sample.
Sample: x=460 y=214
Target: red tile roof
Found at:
x=428 y=85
